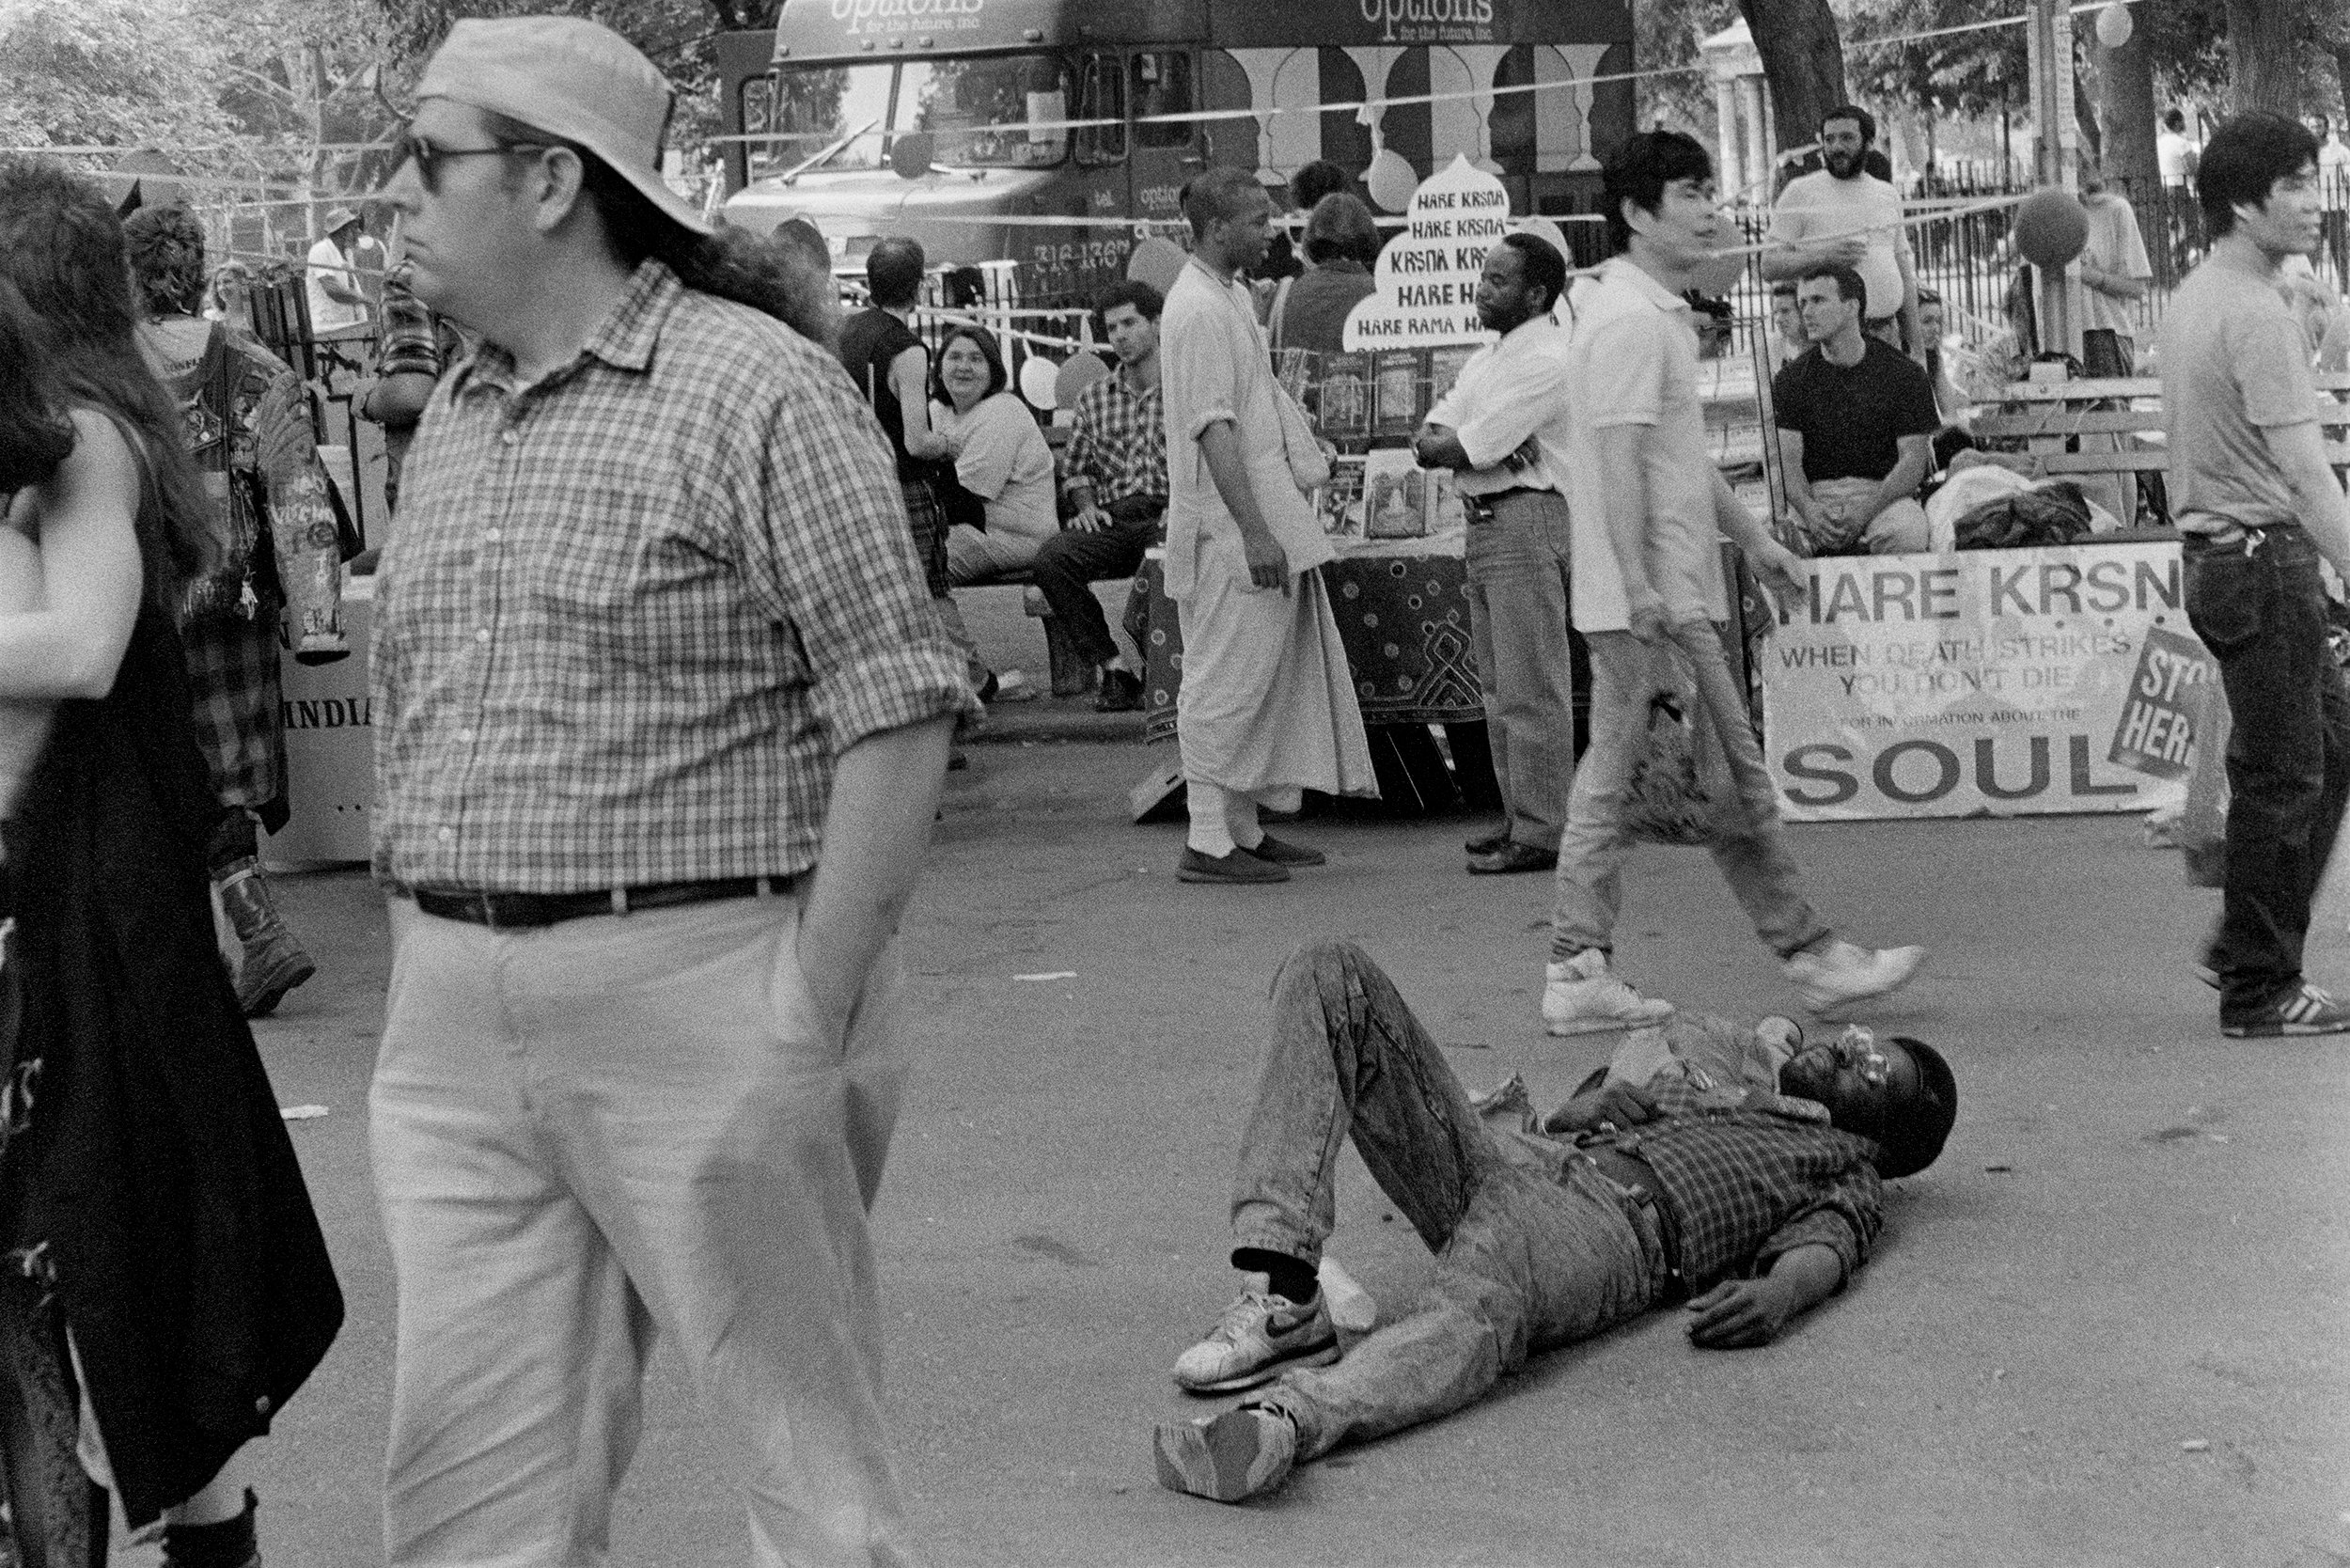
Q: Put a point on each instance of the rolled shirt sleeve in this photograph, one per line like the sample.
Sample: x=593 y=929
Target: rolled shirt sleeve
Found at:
x=1507 y=422
x=1844 y=1218
x=834 y=556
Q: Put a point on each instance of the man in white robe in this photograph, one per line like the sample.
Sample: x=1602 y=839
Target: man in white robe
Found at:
x=1267 y=707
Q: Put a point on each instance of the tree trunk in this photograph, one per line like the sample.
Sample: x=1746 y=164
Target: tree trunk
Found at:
x=1803 y=60
x=2264 y=64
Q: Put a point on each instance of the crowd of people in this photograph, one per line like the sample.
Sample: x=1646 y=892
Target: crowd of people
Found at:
x=665 y=681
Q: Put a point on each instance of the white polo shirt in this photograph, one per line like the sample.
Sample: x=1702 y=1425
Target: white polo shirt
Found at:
x=1509 y=410
x=1632 y=360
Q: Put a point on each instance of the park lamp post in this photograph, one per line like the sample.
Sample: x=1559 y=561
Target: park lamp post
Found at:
x=2056 y=164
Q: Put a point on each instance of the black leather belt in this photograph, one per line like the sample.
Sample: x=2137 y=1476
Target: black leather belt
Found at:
x=1480 y=507
x=523 y=911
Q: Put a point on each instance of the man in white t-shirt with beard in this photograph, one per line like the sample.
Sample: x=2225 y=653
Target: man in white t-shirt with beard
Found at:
x=1843 y=213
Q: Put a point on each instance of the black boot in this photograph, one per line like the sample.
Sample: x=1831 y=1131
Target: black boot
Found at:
x=272 y=962
x=229 y=1543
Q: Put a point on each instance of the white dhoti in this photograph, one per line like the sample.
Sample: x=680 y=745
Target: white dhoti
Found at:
x=1266 y=709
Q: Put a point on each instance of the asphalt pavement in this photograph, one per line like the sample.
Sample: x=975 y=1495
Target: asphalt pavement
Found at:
x=2107 y=1328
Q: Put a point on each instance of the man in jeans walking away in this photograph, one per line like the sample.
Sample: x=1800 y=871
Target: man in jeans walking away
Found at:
x=1650 y=512
x=2259 y=507
x=1503 y=429
x=662 y=711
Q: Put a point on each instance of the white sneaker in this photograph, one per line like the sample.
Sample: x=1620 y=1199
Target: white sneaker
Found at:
x=1837 y=972
x=1580 y=996
x=1261 y=1337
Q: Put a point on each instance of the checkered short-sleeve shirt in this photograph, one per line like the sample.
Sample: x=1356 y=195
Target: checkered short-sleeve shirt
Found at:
x=634 y=611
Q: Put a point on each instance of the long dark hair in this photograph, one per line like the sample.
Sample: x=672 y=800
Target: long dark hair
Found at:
x=34 y=436
x=61 y=246
x=772 y=278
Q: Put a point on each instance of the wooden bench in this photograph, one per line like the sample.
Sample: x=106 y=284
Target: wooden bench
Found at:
x=2047 y=416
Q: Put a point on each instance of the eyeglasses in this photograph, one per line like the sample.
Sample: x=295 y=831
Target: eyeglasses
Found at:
x=1856 y=1048
x=429 y=158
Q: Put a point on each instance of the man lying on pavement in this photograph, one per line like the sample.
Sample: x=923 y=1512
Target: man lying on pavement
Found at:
x=1741 y=1166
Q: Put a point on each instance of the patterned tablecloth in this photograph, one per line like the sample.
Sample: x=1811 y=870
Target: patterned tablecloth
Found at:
x=1404 y=614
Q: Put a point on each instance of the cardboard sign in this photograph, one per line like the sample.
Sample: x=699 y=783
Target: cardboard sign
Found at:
x=1984 y=682
x=1425 y=290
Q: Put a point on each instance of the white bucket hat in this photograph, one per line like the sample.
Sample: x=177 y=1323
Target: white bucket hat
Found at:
x=575 y=80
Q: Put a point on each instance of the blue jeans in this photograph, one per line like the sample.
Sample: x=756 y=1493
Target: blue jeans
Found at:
x=1518 y=594
x=1534 y=1248
x=1752 y=855
x=2258 y=605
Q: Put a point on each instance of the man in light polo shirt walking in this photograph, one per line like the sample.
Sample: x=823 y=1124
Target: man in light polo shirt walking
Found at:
x=1843 y=213
x=663 y=709
x=2259 y=507
x=1650 y=512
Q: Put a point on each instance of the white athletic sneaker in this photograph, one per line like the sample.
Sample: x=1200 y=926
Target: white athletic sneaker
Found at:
x=1837 y=972
x=1260 y=1337
x=1580 y=996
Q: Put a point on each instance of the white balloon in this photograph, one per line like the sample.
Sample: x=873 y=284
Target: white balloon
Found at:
x=2114 y=24
x=1039 y=378
x=1391 y=180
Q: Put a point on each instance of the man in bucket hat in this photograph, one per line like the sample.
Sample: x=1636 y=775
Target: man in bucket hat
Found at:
x=650 y=636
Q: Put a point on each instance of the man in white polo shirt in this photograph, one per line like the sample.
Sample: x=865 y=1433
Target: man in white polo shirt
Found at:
x=1503 y=429
x=1650 y=512
x=1844 y=213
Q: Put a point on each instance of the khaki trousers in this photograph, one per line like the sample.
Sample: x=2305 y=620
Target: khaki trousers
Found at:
x=593 y=1132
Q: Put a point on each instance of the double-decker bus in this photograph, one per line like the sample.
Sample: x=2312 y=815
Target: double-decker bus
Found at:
x=951 y=120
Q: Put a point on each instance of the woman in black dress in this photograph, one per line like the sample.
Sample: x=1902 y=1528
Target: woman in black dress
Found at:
x=163 y=1284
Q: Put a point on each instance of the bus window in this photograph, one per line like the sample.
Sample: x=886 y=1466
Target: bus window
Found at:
x=1101 y=95
x=759 y=118
x=994 y=112
x=1163 y=86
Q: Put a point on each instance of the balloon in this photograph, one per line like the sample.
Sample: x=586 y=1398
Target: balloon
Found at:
x=1548 y=233
x=1081 y=370
x=1391 y=180
x=1158 y=261
x=1039 y=381
x=1716 y=276
x=2114 y=24
x=2051 y=228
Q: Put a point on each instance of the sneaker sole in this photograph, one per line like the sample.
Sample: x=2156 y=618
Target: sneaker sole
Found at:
x=1823 y=1006
x=1570 y=1026
x=2277 y=1030
x=1204 y=1462
x=1316 y=1355
x=1218 y=879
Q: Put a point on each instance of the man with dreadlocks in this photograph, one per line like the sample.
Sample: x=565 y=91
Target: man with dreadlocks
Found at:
x=247 y=429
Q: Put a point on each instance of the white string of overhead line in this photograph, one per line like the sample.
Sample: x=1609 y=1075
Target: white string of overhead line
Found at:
x=1362 y=109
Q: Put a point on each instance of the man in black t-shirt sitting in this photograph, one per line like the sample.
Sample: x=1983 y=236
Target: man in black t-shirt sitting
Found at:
x=1855 y=429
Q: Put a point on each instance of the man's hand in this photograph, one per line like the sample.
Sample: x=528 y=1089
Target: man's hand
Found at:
x=1268 y=563
x=1611 y=1104
x=1850 y=251
x=1738 y=1314
x=1648 y=622
x=1783 y=571
x=1090 y=519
